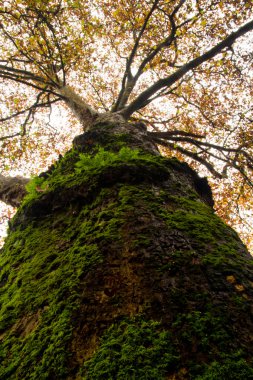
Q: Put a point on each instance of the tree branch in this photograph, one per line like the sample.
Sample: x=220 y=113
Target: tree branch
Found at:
x=12 y=190
x=169 y=134
x=128 y=80
x=36 y=104
x=190 y=154
x=142 y=99
x=85 y=114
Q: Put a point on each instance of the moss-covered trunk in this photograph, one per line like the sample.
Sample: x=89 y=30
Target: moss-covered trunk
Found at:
x=116 y=267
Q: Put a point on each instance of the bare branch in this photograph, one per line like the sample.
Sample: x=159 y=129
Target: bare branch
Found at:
x=187 y=139
x=36 y=104
x=10 y=136
x=169 y=134
x=190 y=154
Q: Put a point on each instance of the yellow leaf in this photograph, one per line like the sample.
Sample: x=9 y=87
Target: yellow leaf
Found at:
x=239 y=287
x=231 y=279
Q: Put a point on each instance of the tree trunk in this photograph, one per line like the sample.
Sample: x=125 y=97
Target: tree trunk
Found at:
x=116 y=267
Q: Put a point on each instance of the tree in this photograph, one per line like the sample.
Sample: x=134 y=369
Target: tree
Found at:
x=180 y=62
x=116 y=265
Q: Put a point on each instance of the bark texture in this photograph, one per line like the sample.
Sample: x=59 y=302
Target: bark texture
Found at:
x=119 y=269
x=84 y=113
x=12 y=189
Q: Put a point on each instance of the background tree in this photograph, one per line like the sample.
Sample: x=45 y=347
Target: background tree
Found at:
x=175 y=65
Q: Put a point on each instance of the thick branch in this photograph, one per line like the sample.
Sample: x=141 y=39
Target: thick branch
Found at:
x=12 y=190
x=142 y=99
x=85 y=114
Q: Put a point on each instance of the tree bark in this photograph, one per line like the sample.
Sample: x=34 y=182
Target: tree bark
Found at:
x=12 y=189
x=118 y=268
x=84 y=113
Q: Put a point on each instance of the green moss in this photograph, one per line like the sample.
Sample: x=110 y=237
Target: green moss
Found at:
x=208 y=334
x=97 y=206
x=133 y=349
x=229 y=368
x=62 y=174
x=196 y=218
x=87 y=169
x=42 y=353
x=42 y=267
x=34 y=187
x=93 y=139
x=141 y=241
x=216 y=241
x=178 y=259
x=42 y=285
x=105 y=158
x=213 y=240
x=222 y=253
x=205 y=329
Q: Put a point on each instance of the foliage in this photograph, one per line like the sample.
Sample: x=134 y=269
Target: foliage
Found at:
x=34 y=187
x=104 y=158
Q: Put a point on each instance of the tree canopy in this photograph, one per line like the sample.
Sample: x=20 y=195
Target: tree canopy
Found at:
x=182 y=67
